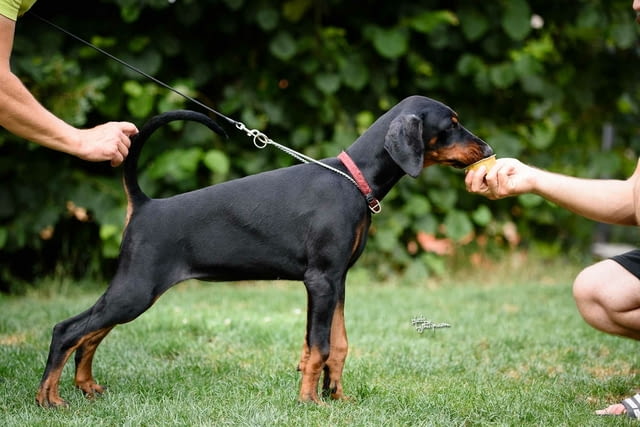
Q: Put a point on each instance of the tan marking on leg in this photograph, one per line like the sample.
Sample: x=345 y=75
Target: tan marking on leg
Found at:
x=84 y=377
x=311 y=376
x=339 y=348
x=48 y=395
x=304 y=357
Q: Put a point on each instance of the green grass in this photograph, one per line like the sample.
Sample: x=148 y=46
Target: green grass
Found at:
x=517 y=353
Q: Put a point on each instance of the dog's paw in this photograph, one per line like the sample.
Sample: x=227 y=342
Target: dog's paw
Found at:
x=91 y=389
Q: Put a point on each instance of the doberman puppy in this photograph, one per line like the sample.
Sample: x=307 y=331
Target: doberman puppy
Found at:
x=302 y=222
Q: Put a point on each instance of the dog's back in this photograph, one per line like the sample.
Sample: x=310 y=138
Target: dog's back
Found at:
x=259 y=227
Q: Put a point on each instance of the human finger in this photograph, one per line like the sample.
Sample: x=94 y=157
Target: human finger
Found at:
x=129 y=129
x=117 y=159
x=475 y=180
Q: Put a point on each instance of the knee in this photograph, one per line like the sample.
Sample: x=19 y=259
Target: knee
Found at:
x=586 y=286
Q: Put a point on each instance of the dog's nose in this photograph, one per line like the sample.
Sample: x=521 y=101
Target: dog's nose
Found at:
x=487 y=150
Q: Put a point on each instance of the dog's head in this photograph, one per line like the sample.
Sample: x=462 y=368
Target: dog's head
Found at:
x=426 y=132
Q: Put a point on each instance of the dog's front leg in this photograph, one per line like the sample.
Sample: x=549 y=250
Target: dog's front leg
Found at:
x=339 y=346
x=333 y=367
x=321 y=303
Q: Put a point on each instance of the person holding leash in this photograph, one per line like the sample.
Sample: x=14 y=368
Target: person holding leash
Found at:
x=24 y=116
x=607 y=293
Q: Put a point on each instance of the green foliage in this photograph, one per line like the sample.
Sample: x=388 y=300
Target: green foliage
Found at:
x=536 y=81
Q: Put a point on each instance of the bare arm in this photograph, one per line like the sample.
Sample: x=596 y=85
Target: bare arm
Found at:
x=610 y=201
x=23 y=115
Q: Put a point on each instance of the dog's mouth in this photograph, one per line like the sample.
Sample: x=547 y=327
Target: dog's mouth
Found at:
x=457 y=164
x=458 y=156
x=463 y=163
x=454 y=163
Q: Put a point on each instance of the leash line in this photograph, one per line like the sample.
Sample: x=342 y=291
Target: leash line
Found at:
x=133 y=68
x=260 y=140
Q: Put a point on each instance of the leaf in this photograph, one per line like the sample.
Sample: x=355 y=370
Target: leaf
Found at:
x=141 y=98
x=188 y=159
x=234 y=4
x=267 y=18
x=178 y=165
x=364 y=119
x=516 y=20
x=110 y=235
x=130 y=12
x=4 y=235
x=502 y=75
x=624 y=35
x=391 y=43
x=417 y=205
x=386 y=239
x=354 y=73
x=482 y=216
x=170 y=100
x=542 y=134
x=434 y=263
x=470 y=64
x=416 y=272
x=627 y=104
x=283 y=46
x=444 y=199
x=458 y=225
x=427 y=223
x=427 y=21
x=505 y=144
x=327 y=83
x=7 y=205
x=217 y=161
x=474 y=24
x=530 y=200
x=294 y=10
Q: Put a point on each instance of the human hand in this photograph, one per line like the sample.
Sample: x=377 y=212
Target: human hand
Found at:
x=508 y=177
x=109 y=141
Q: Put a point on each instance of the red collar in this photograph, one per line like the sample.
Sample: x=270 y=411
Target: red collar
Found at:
x=361 y=182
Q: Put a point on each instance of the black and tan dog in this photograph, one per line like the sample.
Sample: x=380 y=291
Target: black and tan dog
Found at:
x=298 y=223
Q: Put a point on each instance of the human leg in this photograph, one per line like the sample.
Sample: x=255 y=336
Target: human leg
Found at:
x=608 y=298
x=607 y=295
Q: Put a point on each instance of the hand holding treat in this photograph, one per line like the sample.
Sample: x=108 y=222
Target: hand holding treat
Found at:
x=487 y=162
x=496 y=179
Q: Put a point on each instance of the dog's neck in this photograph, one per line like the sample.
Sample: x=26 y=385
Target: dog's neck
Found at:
x=377 y=167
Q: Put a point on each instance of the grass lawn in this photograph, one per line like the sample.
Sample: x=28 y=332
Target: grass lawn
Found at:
x=517 y=353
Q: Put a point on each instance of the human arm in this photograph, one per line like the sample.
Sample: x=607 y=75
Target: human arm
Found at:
x=23 y=115
x=603 y=200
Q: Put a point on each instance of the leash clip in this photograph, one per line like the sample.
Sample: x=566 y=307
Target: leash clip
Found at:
x=374 y=204
x=260 y=140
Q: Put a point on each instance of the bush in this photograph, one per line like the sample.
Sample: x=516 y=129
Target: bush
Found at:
x=539 y=82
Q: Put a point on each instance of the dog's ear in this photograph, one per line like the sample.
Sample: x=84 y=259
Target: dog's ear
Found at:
x=404 y=143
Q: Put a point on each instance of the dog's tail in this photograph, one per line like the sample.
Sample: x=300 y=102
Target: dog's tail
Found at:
x=134 y=192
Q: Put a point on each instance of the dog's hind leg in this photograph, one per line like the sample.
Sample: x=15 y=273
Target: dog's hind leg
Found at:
x=84 y=359
x=121 y=303
x=67 y=337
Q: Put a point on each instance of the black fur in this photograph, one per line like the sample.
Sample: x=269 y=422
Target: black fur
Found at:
x=299 y=223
